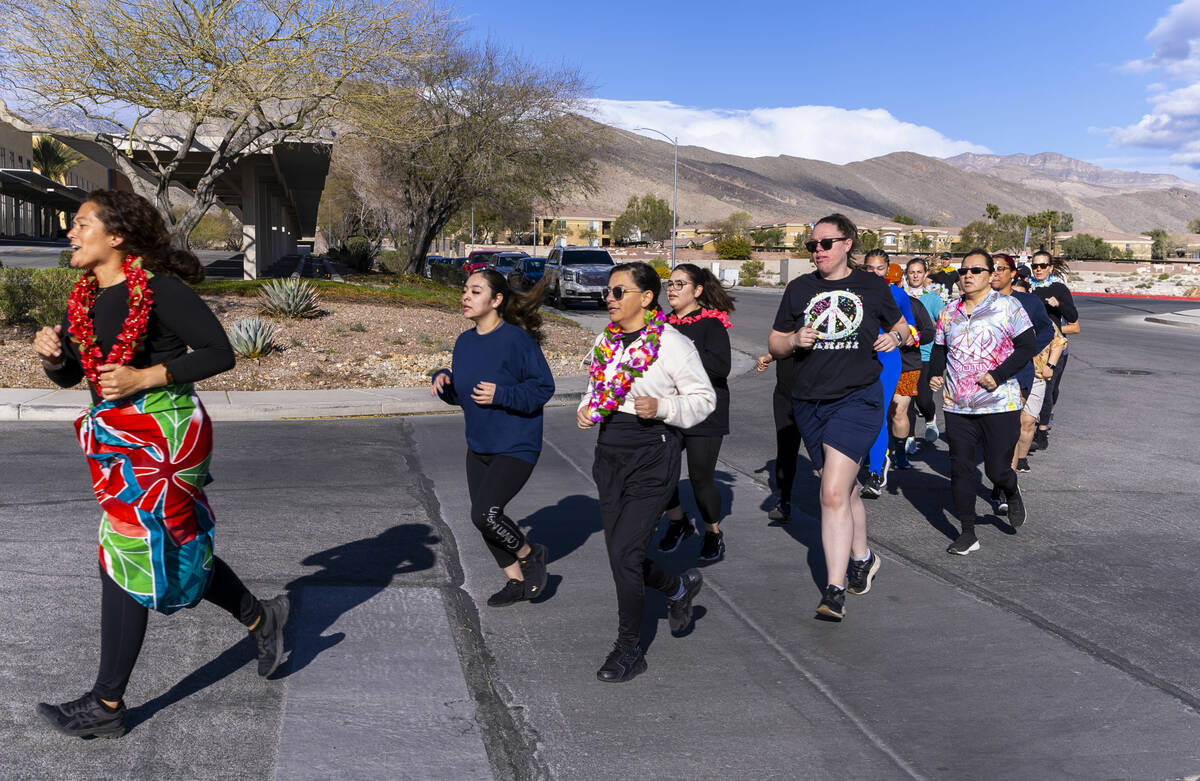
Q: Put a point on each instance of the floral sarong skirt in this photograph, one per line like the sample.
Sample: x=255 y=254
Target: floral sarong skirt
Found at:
x=149 y=457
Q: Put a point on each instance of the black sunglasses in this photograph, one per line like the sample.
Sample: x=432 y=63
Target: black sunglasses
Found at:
x=619 y=292
x=825 y=244
x=1040 y=265
x=975 y=270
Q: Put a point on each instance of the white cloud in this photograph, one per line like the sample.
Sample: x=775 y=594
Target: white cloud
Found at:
x=1173 y=123
x=835 y=135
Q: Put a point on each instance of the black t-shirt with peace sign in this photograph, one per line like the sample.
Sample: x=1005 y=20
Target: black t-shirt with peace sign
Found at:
x=848 y=314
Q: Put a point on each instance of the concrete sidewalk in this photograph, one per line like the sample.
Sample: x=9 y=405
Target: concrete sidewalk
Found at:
x=1188 y=318
x=40 y=404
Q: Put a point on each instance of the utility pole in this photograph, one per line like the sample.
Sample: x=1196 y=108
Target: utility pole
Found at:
x=674 y=190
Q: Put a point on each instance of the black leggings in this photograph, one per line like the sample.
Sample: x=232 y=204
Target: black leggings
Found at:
x=787 y=444
x=634 y=484
x=492 y=482
x=123 y=625
x=702 y=453
x=1052 y=391
x=925 y=404
x=998 y=432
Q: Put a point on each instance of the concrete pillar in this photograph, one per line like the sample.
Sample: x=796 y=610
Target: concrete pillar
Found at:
x=250 y=247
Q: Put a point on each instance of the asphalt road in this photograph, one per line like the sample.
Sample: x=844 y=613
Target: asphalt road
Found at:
x=1067 y=650
x=46 y=256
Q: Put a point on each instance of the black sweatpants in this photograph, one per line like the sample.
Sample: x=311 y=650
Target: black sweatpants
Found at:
x=702 y=453
x=635 y=483
x=925 y=404
x=492 y=482
x=787 y=443
x=1052 y=391
x=123 y=624
x=998 y=432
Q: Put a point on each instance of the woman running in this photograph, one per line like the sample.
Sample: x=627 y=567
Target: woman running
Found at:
x=646 y=384
x=879 y=459
x=700 y=310
x=831 y=321
x=982 y=341
x=1049 y=284
x=921 y=329
x=920 y=287
x=501 y=380
x=130 y=322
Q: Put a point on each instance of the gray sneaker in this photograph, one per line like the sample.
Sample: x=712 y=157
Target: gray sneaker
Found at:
x=268 y=635
x=679 y=611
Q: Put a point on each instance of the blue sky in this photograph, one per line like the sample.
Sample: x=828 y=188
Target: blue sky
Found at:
x=1117 y=84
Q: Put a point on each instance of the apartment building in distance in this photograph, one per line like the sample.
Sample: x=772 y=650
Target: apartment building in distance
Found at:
x=582 y=230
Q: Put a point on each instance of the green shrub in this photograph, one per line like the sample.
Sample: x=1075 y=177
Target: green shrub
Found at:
x=1163 y=276
x=64 y=258
x=17 y=298
x=290 y=297
x=733 y=248
x=356 y=253
x=392 y=261
x=216 y=231
x=748 y=274
x=252 y=337
x=447 y=274
x=51 y=287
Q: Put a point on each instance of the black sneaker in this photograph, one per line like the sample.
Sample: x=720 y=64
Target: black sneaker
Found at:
x=713 y=546
x=780 y=513
x=622 y=665
x=512 y=593
x=677 y=532
x=85 y=718
x=998 y=501
x=1041 y=440
x=966 y=543
x=873 y=487
x=679 y=611
x=833 y=603
x=1023 y=465
x=533 y=567
x=861 y=574
x=1016 y=509
x=268 y=635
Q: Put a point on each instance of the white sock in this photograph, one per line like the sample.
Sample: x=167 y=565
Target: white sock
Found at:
x=866 y=556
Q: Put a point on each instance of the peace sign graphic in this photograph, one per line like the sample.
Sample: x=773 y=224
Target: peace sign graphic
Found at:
x=836 y=314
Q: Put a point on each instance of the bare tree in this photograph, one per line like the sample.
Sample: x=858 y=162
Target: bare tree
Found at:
x=227 y=78
x=499 y=131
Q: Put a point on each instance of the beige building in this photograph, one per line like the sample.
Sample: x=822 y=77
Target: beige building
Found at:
x=581 y=230
x=905 y=239
x=31 y=205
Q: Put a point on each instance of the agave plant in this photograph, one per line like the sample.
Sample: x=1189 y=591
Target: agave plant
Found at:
x=290 y=297
x=252 y=337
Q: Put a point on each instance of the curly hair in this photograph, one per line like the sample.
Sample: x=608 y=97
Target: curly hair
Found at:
x=713 y=295
x=519 y=309
x=144 y=231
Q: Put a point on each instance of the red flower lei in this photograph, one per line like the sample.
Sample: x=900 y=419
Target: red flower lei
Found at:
x=715 y=314
x=133 y=331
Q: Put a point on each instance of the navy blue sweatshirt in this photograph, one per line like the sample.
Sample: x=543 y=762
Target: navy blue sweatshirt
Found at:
x=1043 y=329
x=508 y=356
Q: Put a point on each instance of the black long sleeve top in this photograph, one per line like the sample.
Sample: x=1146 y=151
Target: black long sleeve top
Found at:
x=1066 y=304
x=179 y=320
x=910 y=357
x=712 y=342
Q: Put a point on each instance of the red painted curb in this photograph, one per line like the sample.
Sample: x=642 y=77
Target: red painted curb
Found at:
x=1134 y=295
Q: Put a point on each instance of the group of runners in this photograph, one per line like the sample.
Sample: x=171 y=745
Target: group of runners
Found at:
x=853 y=347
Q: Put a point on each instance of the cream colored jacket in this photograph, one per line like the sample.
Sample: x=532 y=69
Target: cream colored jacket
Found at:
x=676 y=379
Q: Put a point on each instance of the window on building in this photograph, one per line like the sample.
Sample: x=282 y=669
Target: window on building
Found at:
x=593 y=225
x=560 y=224
x=889 y=240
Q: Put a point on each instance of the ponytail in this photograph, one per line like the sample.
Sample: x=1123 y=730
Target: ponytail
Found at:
x=520 y=309
x=713 y=296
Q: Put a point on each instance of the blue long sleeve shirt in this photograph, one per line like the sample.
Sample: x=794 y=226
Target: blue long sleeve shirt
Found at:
x=508 y=356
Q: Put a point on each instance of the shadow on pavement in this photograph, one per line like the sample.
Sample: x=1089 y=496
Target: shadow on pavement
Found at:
x=564 y=527
x=370 y=562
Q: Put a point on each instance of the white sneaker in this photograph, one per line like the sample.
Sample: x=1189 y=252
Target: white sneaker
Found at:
x=910 y=446
x=931 y=431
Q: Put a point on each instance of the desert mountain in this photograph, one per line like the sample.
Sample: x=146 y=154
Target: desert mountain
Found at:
x=783 y=188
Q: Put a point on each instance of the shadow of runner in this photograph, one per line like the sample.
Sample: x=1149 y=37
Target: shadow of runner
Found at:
x=566 y=526
x=370 y=564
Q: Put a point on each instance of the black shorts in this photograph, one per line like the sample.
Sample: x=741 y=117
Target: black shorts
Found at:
x=849 y=425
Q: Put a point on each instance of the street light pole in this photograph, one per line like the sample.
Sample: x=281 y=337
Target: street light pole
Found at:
x=674 y=191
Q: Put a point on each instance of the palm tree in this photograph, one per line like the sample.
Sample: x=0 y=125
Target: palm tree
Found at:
x=991 y=212
x=52 y=158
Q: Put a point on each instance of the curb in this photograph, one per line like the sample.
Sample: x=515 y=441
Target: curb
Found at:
x=1134 y=295
x=44 y=405
x=1177 y=323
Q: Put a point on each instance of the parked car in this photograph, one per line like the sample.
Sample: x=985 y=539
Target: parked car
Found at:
x=479 y=259
x=577 y=274
x=527 y=273
x=430 y=260
x=505 y=262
